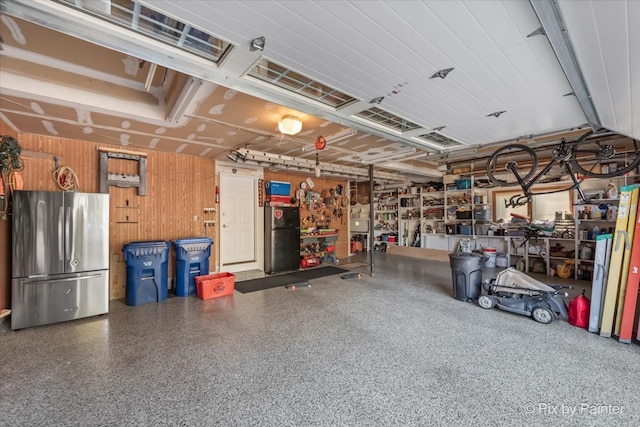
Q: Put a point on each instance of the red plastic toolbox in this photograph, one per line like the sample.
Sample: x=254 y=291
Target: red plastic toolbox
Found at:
x=278 y=199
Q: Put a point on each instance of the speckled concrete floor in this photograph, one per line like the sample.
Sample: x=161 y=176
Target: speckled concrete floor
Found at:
x=393 y=349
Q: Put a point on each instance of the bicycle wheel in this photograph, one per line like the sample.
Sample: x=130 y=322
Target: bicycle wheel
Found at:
x=606 y=156
x=521 y=157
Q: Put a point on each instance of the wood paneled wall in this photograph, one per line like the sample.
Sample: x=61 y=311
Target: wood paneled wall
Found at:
x=320 y=184
x=178 y=189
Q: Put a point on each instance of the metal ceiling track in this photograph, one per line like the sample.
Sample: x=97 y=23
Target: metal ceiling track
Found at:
x=554 y=28
x=244 y=155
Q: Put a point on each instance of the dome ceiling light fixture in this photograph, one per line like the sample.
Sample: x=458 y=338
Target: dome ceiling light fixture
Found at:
x=290 y=125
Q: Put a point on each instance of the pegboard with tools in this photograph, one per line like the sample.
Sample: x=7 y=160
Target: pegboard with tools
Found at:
x=322 y=208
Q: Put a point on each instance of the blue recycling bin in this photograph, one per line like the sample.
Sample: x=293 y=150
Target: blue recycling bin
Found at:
x=192 y=259
x=147 y=265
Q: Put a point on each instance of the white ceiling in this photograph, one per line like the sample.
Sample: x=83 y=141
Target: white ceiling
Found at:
x=368 y=49
x=372 y=49
x=606 y=39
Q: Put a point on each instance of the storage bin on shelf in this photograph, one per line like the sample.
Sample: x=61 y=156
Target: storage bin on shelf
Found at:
x=463 y=214
x=463 y=184
x=482 y=214
x=482 y=229
x=466 y=230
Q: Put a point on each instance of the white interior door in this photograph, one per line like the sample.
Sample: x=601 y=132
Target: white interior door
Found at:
x=237 y=220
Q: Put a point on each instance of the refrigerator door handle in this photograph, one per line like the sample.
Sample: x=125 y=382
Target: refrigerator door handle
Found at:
x=67 y=237
x=67 y=279
x=61 y=237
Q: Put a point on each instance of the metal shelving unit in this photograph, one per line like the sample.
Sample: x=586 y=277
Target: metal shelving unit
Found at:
x=385 y=208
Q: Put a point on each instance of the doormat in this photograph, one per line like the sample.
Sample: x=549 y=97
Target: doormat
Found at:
x=286 y=279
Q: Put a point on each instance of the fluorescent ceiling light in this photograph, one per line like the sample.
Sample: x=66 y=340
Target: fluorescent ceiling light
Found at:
x=150 y=74
x=386 y=156
x=290 y=125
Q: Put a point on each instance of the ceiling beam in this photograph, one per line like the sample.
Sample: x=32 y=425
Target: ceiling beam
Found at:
x=556 y=32
x=412 y=170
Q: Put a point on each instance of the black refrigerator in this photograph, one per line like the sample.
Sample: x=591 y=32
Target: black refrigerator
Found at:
x=281 y=239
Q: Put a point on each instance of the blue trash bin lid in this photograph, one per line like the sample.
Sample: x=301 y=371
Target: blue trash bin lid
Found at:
x=193 y=240
x=152 y=243
x=186 y=246
x=136 y=250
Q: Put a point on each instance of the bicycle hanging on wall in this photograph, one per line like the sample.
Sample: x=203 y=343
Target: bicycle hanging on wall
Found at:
x=596 y=154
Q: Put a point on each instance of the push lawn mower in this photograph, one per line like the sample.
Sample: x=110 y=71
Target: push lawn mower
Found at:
x=516 y=292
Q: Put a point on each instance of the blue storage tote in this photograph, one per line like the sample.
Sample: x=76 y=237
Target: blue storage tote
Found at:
x=147 y=266
x=465 y=230
x=192 y=259
x=482 y=214
x=277 y=188
x=463 y=184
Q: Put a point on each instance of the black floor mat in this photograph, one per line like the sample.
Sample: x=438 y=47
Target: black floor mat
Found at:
x=285 y=279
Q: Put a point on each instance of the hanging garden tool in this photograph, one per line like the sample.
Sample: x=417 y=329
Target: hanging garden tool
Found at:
x=301 y=193
x=10 y=165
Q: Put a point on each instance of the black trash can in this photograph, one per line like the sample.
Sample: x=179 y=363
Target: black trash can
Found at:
x=466 y=273
x=147 y=266
x=192 y=259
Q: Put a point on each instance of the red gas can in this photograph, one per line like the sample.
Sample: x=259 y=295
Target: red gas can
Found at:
x=579 y=311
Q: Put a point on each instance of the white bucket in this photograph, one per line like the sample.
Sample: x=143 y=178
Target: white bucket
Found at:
x=501 y=260
x=491 y=253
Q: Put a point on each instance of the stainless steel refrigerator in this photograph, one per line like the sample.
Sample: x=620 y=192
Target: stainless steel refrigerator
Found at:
x=281 y=239
x=60 y=260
